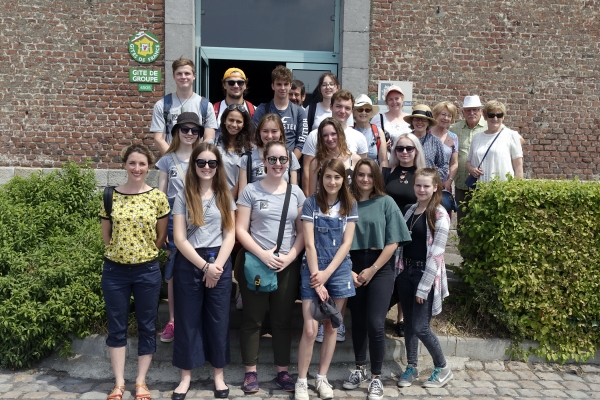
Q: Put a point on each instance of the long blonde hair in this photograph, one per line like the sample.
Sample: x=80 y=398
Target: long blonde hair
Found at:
x=219 y=186
x=419 y=160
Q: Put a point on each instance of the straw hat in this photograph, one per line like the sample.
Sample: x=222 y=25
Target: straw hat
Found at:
x=421 y=111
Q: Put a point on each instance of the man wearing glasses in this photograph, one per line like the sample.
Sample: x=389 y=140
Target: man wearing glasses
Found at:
x=234 y=88
x=167 y=109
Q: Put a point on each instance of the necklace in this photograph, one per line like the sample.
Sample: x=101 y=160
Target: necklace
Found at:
x=403 y=178
x=414 y=221
x=333 y=205
x=182 y=104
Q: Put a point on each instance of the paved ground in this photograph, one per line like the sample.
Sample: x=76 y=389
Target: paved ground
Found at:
x=493 y=380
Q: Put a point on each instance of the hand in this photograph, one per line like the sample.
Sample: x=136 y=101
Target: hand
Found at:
x=419 y=300
x=448 y=185
x=389 y=144
x=366 y=275
x=212 y=275
x=319 y=278
x=286 y=260
x=322 y=292
x=357 y=283
x=270 y=259
x=476 y=172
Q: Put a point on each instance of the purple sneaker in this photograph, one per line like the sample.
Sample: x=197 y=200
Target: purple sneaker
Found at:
x=285 y=382
x=250 y=384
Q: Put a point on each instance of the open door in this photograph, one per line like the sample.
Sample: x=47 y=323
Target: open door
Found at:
x=309 y=74
x=203 y=73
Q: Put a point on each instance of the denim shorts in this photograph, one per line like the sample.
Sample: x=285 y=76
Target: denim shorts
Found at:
x=339 y=285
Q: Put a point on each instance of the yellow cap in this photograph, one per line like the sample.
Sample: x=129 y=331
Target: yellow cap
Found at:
x=231 y=71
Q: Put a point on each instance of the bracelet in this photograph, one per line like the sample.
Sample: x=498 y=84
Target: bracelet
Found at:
x=451 y=179
x=375 y=267
x=205 y=268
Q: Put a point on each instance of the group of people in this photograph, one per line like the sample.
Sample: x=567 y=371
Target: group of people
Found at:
x=349 y=214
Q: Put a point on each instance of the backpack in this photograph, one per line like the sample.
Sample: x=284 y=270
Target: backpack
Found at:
x=375 y=134
x=312 y=110
x=168 y=102
x=249 y=107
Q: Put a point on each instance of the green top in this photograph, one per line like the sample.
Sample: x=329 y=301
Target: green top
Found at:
x=380 y=223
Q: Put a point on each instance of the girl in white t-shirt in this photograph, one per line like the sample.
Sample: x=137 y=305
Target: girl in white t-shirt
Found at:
x=317 y=111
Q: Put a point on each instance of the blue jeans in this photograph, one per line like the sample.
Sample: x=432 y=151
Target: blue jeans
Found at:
x=119 y=281
x=417 y=318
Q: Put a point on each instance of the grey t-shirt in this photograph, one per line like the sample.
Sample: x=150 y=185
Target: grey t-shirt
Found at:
x=175 y=182
x=265 y=215
x=230 y=161
x=258 y=168
x=211 y=233
x=177 y=107
x=295 y=129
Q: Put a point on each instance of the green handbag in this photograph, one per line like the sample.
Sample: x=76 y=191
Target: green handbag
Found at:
x=261 y=278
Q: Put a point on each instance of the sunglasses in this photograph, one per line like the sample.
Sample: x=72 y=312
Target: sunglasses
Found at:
x=364 y=109
x=401 y=149
x=497 y=115
x=212 y=164
x=282 y=160
x=239 y=107
x=239 y=83
x=194 y=131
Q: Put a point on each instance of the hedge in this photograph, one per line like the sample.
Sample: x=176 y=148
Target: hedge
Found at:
x=50 y=263
x=531 y=252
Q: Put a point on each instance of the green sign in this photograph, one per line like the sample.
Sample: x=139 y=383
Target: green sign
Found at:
x=144 y=47
x=144 y=75
x=144 y=87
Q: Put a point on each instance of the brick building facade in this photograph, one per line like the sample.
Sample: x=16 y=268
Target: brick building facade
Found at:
x=65 y=92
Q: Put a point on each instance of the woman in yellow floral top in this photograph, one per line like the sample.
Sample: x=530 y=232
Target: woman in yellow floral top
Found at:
x=133 y=233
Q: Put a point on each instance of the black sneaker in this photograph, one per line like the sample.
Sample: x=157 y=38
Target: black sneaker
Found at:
x=400 y=329
x=250 y=384
x=285 y=382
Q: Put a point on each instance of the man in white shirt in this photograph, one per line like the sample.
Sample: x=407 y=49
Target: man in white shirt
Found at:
x=342 y=104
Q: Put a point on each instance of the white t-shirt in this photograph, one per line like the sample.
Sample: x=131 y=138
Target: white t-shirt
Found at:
x=394 y=130
x=321 y=114
x=355 y=140
x=498 y=161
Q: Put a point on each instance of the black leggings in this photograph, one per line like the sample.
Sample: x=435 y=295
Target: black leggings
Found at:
x=369 y=308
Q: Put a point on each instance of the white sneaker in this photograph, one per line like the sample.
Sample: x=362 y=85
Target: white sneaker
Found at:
x=341 y=333
x=375 y=390
x=320 y=333
x=357 y=377
x=238 y=302
x=301 y=391
x=324 y=388
x=439 y=377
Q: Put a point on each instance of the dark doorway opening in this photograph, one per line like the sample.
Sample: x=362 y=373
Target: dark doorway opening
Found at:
x=257 y=72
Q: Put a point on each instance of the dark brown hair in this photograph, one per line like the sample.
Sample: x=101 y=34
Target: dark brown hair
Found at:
x=378 y=185
x=281 y=73
x=137 y=148
x=243 y=140
x=181 y=62
x=344 y=195
x=269 y=118
x=322 y=78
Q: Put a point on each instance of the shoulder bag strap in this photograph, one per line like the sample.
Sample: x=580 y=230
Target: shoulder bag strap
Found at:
x=249 y=167
x=486 y=152
x=208 y=205
x=381 y=119
x=179 y=169
x=286 y=205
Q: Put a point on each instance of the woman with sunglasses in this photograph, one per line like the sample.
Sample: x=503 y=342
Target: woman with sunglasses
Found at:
x=237 y=131
x=363 y=111
x=320 y=106
x=406 y=158
x=204 y=230
x=269 y=129
x=133 y=232
x=331 y=144
x=502 y=145
x=259 y=214
x=187 y=133
x=379 y=231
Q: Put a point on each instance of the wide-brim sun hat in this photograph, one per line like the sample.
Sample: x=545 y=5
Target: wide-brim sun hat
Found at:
x=421 y=111
x=363 y=100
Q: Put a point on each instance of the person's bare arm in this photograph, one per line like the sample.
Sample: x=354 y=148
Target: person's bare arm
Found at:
x=160 y=141
x=517 y=164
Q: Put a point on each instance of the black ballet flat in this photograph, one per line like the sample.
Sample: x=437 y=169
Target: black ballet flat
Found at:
x=179 y=396
x=222 y=394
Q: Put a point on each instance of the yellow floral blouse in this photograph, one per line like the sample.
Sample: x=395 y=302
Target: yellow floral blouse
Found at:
x=134 y=218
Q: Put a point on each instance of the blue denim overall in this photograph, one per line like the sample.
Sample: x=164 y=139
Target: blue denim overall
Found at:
x=329 y=234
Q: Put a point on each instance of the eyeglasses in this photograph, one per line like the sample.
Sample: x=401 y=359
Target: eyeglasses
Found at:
x=239 y=107
x=364 y=109
x=282 y=160
x=328 y=84
x=239 y=83
x=497 y=115
x=186 y=130
x=212 y=164
x=408 y=149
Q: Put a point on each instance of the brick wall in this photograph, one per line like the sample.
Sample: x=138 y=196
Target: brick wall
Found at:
x=540 y=57
x=65 y=91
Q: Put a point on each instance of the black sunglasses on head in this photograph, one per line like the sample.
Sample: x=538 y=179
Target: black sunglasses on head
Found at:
x=239 y=107
x=212 y=164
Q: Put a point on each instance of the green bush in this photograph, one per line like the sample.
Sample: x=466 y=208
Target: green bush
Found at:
x=531 y=254
x=50 y=263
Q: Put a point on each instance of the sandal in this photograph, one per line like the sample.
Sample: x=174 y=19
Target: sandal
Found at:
x=116 y=396
x=144 y=396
